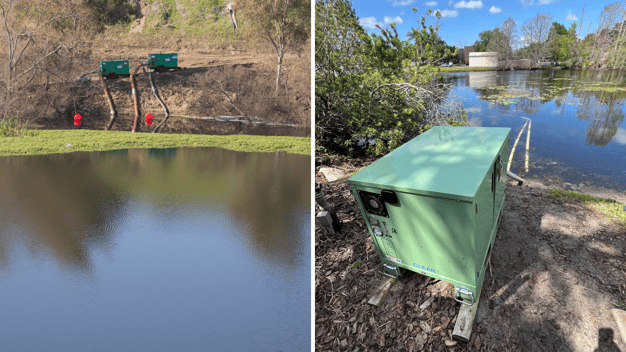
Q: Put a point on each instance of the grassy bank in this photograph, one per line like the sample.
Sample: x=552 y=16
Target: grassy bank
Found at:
x=53 y=141
x=609 y=207
x=466 y=69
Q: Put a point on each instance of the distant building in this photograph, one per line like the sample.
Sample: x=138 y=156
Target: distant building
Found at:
x=488 y=59
x=467 y=51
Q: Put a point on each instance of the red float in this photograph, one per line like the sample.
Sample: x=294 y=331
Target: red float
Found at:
x=149 y=119
x=77 y=119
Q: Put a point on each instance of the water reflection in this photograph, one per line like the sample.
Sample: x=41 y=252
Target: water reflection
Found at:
x=595 y=100
x=71 y=204
x=161 y=249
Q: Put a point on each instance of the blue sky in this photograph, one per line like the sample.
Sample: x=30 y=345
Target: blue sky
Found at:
x=463 y=20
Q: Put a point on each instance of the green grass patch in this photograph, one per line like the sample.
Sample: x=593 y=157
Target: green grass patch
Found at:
x=53 y=141
x=609 y=207
x=9 y=128
x=356 y=264
x=465 y=69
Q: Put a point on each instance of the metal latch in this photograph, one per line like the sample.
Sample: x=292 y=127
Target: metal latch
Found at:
x=394 y=270
x=464 y=291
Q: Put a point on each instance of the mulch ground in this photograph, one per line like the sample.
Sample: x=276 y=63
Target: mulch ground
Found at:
x=557 y=270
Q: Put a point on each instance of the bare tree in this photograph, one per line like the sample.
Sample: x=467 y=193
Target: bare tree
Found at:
x=284 y=23
x=509 y=29
x=535 y=32
x=610 y=15
x=37 y=38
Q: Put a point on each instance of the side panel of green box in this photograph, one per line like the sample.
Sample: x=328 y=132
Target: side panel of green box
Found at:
x=169 y=60
x=490 y=200
x=429 y=235
x=119 y=67
x=501 y=184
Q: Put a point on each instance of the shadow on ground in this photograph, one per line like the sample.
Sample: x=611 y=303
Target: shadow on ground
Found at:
x=556 y=272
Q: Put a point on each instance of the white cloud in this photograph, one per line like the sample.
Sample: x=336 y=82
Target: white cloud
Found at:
x=571 y=17
x=368 y=22
x=396 y=19
x=448 y=13
x=472 y=4
x=493 y=10
x=539 y=2
x=431 y=3
x=402 y=2
x=620 y=136
x=474 y=109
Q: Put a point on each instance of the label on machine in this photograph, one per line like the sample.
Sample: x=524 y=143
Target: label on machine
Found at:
x=389 y=248
x=394 y=259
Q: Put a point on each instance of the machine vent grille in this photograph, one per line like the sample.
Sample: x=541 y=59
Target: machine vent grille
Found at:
x=373 y=203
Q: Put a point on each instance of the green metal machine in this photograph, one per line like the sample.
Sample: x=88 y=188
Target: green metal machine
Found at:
x=162 y=62
x=432 y=205
x=114 y=68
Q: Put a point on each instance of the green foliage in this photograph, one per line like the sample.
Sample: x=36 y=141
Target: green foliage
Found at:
x=559 y=28
x=10 y=127
x=483 y=40
x=621 y=304
x=369 y=89
x=356 y=264
x=429 y=47
x=110 y=12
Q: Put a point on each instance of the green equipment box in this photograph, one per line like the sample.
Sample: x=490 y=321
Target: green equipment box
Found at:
x=432 y=206
x=162 y=62
x=114 y=68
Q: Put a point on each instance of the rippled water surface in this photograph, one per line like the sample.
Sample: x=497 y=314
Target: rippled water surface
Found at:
x=155 y=250
x=575 y=117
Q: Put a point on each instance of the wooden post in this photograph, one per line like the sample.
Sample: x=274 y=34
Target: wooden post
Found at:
x=380 y=293
x=465 y=321
x=620 y=318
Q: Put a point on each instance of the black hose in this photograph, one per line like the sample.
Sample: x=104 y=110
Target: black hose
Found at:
x=167 y=113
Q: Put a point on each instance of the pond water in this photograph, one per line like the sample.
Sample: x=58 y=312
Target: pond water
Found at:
x=575 y=118
x=188 y=249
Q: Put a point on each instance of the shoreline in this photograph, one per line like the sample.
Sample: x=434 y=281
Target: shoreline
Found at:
x=42 y=142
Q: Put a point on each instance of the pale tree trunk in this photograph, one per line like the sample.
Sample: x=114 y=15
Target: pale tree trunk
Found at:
x=280 y=66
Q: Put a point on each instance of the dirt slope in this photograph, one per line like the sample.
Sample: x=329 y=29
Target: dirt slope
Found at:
x=247 y=76
x=556 y=271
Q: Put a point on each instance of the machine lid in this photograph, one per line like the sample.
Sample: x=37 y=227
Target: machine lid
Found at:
x=444 y=161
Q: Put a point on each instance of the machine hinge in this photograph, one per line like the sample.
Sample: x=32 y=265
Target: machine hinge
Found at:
x=462 y=290
x=395 y=272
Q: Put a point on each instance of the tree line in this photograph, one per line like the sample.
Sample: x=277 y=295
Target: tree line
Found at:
x=541 y=38
x=375 y=92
